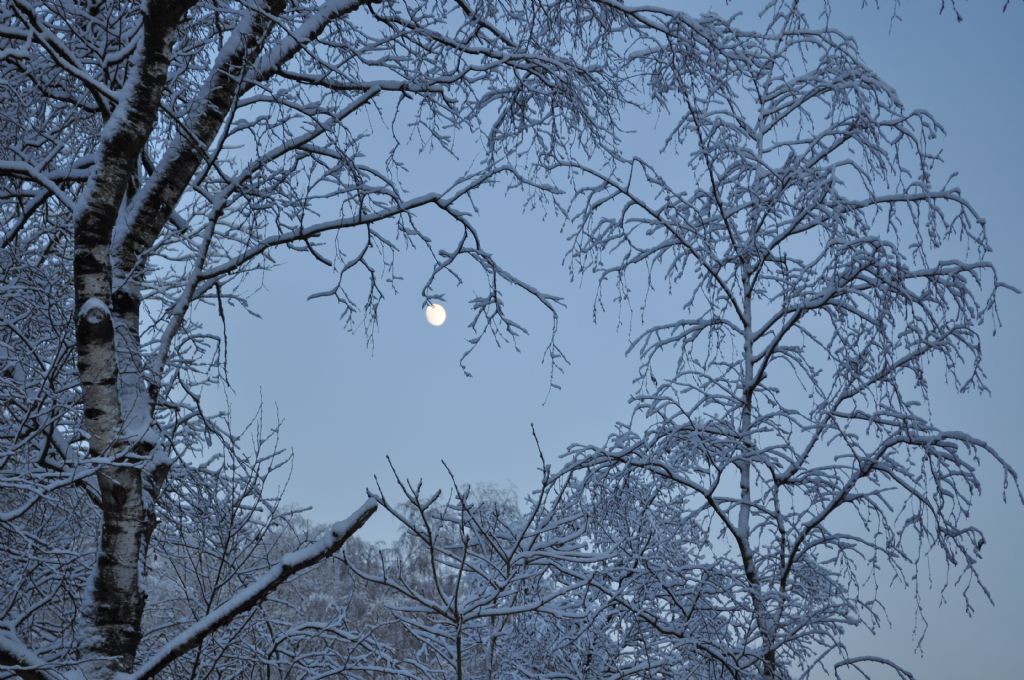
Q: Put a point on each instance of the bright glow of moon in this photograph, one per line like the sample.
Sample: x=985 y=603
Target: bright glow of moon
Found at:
x=435 y=314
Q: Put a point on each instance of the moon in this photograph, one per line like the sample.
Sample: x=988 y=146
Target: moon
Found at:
x=435 y=314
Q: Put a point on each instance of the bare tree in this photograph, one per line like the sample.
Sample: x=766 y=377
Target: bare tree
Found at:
x=485 y=588
x=156 y=153
x=782 y=439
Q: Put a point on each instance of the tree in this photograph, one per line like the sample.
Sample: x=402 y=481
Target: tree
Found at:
x=484 y=588
x=156 y=154
x=782 y=459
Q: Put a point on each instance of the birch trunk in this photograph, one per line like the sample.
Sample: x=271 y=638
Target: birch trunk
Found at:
x=114 y=613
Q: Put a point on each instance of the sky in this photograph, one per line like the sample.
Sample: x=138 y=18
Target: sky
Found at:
x=347 y=405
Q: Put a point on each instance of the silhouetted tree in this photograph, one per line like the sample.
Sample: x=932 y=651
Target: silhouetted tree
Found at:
x=782 y=453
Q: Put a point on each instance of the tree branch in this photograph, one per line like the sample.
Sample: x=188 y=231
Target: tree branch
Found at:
x=257 y=591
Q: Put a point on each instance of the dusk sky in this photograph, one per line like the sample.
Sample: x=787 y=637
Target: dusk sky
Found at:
x=346 y=406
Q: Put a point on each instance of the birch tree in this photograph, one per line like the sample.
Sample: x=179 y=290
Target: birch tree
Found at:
x=156 y=154
x=782 y=461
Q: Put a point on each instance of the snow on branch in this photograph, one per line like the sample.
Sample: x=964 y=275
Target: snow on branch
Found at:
x=17 y=657
x=253 y=594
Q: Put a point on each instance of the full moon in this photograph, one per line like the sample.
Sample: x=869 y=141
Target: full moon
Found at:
x=435 y=314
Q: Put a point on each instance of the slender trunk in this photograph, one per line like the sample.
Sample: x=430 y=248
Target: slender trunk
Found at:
x=769 y=663
x=115 y=609
x=458 y=650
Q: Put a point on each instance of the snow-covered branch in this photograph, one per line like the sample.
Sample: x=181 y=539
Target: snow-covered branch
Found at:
x=255 y=592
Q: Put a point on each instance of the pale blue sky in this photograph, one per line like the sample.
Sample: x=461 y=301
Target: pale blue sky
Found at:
x=346 y=407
